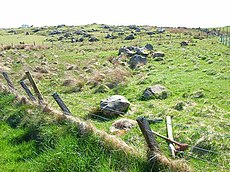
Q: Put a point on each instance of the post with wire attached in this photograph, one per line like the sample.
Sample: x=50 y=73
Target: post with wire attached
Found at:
x=37 y=92
x=61 y=104
x=150 y=139
x=27 y=90
x=9 y=82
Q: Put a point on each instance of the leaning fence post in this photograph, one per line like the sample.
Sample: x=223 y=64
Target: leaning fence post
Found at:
x=147 y=132
x=61 y=104
x=37 y=92
x=170 y=135
x=9 y=83
x=27 y=90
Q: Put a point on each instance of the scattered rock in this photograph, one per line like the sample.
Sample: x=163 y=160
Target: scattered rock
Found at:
x=150 y=33
x=184 y=43
x=69 y=82
x=41 y=70
x=158 y=56
x=93 y=39
x=71 y=67
x=197 y=94
x=155 y=92
x=131 y=51
x=180 y=106
x=137 y=60
x=122 y=124
x=130 y=37
x=114 y=105
x=160 y=30
x=149 y=47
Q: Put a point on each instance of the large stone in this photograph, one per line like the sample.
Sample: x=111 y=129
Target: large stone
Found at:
x=114 y=105
x=155 y=92
x=137 y=60
x=141 y=51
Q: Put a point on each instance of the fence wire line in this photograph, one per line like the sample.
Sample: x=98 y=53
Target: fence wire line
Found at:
x=119 y=112
x=206 y=150
x=205 y=132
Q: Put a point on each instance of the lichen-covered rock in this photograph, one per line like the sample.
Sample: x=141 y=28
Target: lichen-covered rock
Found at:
x=155 y=92
x=114 y=105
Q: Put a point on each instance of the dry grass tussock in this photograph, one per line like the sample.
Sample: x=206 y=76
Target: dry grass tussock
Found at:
x=159 y=162
x=114 y=76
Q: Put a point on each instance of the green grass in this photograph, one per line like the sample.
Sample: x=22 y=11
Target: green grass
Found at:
x=44 y=144
x=202 y=66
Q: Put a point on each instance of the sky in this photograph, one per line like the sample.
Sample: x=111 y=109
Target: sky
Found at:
x=174 y=13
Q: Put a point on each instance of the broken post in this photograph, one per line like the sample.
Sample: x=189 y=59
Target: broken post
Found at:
x=170 y=135
x=27 y=90
x=37 y=92
x=9 y=83
x=61 y=104
x=146 y=131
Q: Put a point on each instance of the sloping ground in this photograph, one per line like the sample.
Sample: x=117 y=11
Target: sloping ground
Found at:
x=197 y=77
x=36 y=141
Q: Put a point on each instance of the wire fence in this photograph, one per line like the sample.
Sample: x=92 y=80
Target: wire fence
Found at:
x=192 y=146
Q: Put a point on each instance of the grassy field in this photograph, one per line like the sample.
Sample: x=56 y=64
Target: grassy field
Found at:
x=46 y=144
x=201 y=68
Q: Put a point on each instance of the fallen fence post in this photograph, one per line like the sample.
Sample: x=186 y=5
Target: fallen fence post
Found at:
x=37 y=92
x=61 y=104
x=9 y=82
x=170 y=135
x=146 y=131
x=27 y=90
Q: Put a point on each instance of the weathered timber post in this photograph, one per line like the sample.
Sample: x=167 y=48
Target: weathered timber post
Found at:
x=146 y=131
x=37 y=92
x=27 y=90
x=170 y=135
x=61 y=104
x=9 y=82
x=151 y=142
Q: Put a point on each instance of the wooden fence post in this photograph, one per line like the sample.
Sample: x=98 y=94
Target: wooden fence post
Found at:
x=170 y=135
x=147 y=132
x=61 y=104
x=37 y=92
x=27 y=90
x=9 y=83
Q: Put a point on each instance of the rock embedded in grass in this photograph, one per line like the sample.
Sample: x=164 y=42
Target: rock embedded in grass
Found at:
x=137 y=60
x=158 y=56
x=123 y=124
x=114 y=106
x=155 y=92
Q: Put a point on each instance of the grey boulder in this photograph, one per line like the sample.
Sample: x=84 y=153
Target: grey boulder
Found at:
x=114 y=105
x=137 y=60
x=155 y=92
